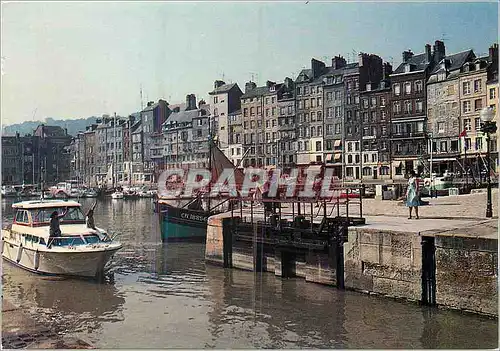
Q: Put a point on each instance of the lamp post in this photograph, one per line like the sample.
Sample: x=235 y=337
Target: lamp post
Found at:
x=487 y=127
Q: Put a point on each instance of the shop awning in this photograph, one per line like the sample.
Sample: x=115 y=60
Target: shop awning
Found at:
x=337 y=157
x=329 y=157
x=337 y=143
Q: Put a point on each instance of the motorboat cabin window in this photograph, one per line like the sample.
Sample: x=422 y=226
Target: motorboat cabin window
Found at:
x=22 y=217
x=42 y=215
x=91 y=239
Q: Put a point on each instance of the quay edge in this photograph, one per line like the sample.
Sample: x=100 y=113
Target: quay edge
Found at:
x=439 y=262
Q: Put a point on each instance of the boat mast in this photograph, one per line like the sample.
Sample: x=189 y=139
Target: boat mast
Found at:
x=209 y=159
x=114 y=151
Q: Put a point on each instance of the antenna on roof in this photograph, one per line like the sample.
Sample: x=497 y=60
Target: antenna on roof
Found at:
x=142 y=101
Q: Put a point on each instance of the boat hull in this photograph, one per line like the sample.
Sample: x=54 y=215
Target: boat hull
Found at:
x=88 y=264
x=178 y=224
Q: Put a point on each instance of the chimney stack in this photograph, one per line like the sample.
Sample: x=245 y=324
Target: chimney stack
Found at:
x=218 y=83
x=386 y=70
x=407 y=55
x=439 y=51
x=428 y=53
x=317 y=67
x=190 y=102
x=249 y=86
x=338 y=62
x=493 y=55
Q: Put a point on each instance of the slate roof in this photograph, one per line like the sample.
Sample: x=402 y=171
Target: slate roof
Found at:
x=455 y=61
x=222 y=89
x=328 y=71
x=417 y=62
x=235 y=113
x=181 y=117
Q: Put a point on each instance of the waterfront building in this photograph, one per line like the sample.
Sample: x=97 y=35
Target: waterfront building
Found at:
x=235 y=125
x=333 y=97
x=309 y=113
x=185 y=145
x=260 y=112
x=409 y=118
x=11 y=160
x=287 y=151
x=376 y=134
x=472 y=99
x=224 y=99
x=443 y=112
x=50 y=144
x=492 y=99
x=152 y=119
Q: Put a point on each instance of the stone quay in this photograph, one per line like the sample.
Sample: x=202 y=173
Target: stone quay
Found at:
x=447 y=258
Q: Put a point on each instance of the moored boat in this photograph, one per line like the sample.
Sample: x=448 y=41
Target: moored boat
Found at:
x=117 y=195
x=78 y=251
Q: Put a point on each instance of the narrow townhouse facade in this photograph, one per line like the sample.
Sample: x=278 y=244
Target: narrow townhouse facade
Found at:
x=224 y=99
x=472 y=99
x=333 y=97
x=492 y=100
x=409 y=114
x=186 y=135
x=235 y=129
x=443 y=112
x=376 y=134
x=309 y=113
x=91 y=155
x=152 y=118
x=287 y=126
x=201 y=134
x=260 y=114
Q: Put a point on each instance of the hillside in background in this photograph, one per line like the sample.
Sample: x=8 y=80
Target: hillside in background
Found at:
x=73 y=125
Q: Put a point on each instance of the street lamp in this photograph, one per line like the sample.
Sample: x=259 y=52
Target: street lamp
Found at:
x=487 y=127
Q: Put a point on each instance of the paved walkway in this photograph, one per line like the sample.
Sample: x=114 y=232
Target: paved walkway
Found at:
x=462 y=215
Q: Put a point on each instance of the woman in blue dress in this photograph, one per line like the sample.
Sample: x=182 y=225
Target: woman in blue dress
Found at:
x=412 y=194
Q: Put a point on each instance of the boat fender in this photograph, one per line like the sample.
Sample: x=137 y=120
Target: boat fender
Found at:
x=19 y=253
x=37 y=259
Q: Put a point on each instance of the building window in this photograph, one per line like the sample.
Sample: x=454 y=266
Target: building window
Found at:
x=329 y=95
x=318 y=146
x=374 y=101
x=365 y=103
x=467 y=124
x=451 y=90
x=477 y=124
x=329 y=129
x=477 y=86
x=397 y=107
x=479 y=144
x=408 y=108
x=338 y=111
x=397 y=89
x=466 y=88
x=440 y=127
x=492 y=93
x=478 y=104
x=420 y=106
x=466 y=107
x=418 y=86
x=319 y=116
x=338 y=95
x=382 y=101
x=408 y=88
x=319 y=101
x=216 y=99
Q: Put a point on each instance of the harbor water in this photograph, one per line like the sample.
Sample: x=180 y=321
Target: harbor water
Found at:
x=165 y=296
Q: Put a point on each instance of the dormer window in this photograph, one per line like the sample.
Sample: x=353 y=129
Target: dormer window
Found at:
x=407 y=68
x=272 y=88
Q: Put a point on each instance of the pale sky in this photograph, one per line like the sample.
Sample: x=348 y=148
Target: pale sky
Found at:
x=76 y=60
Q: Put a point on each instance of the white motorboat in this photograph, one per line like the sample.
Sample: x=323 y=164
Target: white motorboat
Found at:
x=79 y=251
x=117 y=195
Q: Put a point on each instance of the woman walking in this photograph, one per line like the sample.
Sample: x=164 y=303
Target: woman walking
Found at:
x=413 y=194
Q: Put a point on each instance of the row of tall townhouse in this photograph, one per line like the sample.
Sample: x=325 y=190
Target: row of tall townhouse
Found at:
x=363 y=119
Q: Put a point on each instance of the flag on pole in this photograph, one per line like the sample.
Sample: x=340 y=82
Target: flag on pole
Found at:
x=463 y=134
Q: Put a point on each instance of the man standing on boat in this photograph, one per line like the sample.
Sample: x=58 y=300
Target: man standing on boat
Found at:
x=90 y=217
x=55 y=229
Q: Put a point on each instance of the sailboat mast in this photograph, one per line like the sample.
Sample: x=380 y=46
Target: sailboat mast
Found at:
x=209 y=159
x=114 y=151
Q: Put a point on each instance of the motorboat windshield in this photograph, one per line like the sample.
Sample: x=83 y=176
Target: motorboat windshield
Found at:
x=41 y=216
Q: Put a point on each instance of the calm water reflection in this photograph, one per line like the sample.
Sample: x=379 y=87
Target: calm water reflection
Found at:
x=164 y=296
